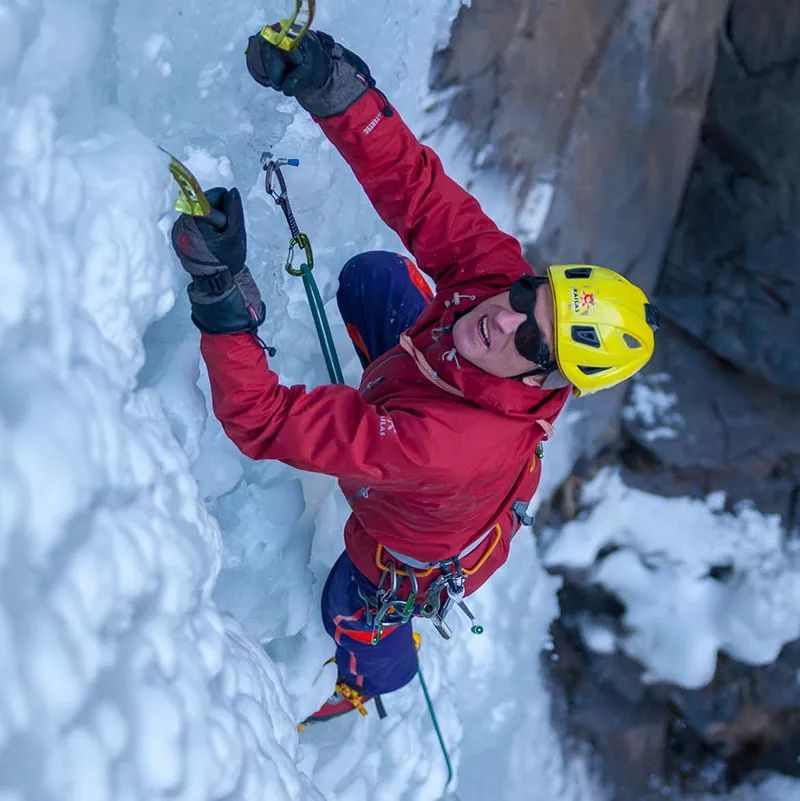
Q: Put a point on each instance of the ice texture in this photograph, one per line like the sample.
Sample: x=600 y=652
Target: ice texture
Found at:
x=159 y=626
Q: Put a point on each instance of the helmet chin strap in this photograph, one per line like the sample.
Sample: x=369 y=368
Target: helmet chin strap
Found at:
x=553 y=377
x=545 y=370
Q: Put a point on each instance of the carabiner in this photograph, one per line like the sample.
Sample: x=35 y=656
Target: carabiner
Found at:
x=272 y=167
x=301 y=241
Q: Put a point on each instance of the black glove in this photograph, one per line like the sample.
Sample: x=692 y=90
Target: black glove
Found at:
x=224 y=297
x=306 y=67
x=205 y=250
x=325 y=77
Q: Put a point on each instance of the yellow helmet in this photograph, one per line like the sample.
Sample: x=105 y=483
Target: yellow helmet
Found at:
x=604 y=326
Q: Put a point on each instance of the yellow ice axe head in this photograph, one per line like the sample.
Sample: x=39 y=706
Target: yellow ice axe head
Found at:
x=289 y=32
x=191 y=198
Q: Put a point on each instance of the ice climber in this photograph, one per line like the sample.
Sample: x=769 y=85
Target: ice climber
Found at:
x=438 y=451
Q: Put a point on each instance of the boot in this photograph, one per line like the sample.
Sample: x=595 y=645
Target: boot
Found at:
x=344 y=699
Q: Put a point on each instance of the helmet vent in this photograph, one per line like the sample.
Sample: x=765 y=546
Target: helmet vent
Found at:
x=578 y=272
x=631 y=342
x=592 y=370
x=586 y=335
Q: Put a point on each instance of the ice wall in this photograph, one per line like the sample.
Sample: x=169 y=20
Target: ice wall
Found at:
x=143 y=561
x=121 y=679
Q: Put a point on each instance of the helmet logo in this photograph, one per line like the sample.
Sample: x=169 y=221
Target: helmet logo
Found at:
x=582 y=302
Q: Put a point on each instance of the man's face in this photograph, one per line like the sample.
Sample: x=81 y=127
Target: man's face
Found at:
x=484 y=336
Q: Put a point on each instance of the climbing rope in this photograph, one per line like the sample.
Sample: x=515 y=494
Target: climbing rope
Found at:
x=432 y=713
x=272 y=167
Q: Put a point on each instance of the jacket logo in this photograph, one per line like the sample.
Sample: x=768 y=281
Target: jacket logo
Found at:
x=386 y=425
x=582 y=302
x=373 y=124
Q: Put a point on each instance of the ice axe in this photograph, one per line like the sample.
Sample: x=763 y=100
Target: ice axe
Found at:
x=192 y=199
x=289 y=32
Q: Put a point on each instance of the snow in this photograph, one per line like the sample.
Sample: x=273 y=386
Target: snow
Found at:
x=657 y=554
x=159 y=626
x=650 y=407
x=533 y=213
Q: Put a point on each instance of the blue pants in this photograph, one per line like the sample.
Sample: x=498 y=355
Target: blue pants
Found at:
x=380 y=295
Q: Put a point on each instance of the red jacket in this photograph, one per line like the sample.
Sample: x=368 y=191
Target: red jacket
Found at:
x=430 y=451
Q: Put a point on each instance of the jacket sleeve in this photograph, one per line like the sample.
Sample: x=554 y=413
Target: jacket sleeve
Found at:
x=441 y=224
x=330 y=429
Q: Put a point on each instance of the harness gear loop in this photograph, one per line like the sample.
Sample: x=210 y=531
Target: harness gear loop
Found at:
x=445 y=592
x=424 y=569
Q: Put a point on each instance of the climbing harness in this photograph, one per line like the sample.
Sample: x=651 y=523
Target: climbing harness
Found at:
x=289 y=32
x=445 y=592
x=279 y=193
x=385 y=609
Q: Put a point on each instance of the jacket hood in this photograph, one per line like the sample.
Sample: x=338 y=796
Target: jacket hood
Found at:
x=432 y=337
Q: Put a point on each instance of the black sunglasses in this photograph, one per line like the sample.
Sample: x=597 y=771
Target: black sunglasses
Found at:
x=528 y=338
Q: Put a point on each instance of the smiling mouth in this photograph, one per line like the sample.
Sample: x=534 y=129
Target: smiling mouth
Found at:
x=483 y=330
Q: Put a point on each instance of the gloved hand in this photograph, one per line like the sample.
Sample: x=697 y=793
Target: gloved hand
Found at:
x=205 y=250
x=224 y=297
x=300 y=70
x=325 y=77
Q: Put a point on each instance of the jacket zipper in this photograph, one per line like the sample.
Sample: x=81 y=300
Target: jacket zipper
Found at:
x=374 y=383
x=378 y=365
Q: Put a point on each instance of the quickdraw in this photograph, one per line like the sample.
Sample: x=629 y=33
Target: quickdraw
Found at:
x=385 y=609
x=451 y=584
x=272 y=168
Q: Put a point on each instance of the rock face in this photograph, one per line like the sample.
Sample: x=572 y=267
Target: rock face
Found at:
x=737 y=432
x=659 y=741
x=659 y=137
x=731 y=278
x=595 y=109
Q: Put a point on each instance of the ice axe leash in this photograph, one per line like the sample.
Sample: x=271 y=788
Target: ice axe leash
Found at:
x=275 y=185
